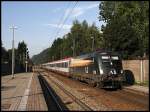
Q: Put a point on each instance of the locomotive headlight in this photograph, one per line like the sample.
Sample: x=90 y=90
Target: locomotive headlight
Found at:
x=121 y=71
x=101 y=71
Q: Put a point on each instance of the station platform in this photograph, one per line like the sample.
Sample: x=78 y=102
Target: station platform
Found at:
x=23 y=93
x=138 y=89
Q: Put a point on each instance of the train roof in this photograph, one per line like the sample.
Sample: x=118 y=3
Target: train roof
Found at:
x=92 y=54
x=58 y=61
x=85 y=56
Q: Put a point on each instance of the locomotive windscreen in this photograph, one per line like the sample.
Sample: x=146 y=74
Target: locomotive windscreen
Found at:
x=109 y=62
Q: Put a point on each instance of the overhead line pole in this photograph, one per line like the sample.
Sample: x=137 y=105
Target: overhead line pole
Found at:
x=92 y=43
x=73 y=47
x=26 y=59
x=13 y=52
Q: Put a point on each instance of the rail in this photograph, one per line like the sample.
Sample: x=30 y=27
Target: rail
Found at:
x=83 y=105
x=45 y=85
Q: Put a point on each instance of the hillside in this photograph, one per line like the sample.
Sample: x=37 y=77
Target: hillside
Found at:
x=42 y=57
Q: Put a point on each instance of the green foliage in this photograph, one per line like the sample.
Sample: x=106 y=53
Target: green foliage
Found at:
x=145 y=83
x=42 y=57
x=20 y=57
x=127 y=27
x=4 y=55
x=61 y=48
x=126 y=31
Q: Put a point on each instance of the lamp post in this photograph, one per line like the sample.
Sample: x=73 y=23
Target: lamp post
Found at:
x=92 y=43
x=13 y=52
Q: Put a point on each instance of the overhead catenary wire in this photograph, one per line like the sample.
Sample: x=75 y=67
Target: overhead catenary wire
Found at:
x=66 y=19
x=61 y=18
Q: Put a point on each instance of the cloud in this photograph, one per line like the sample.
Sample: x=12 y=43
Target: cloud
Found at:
x=92 y=6
x=77 y=12
x=65 y=26
x=80 y=10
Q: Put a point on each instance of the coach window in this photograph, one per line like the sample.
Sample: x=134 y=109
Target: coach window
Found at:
x=62 y=64
x=66 y=65
x=86 y=69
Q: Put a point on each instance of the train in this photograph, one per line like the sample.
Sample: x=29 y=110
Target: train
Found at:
x=99 y=68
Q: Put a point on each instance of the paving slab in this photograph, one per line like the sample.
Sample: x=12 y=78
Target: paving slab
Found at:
x=36 y=100
x=12 y=90
x=15 y=92
x=139 y=89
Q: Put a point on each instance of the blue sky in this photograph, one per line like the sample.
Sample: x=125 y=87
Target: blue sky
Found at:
x=37 y=22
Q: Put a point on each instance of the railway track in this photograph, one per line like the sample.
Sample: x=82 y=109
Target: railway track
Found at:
x=70 y=95
x=51 y=101
x=84 y=106
x=119 y=99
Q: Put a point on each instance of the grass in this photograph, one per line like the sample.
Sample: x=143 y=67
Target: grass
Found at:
x=145 y=83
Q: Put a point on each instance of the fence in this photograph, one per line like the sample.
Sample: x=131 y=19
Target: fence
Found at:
x=139 y=68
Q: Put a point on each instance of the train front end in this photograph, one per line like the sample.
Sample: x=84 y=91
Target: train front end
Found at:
x=111 y=70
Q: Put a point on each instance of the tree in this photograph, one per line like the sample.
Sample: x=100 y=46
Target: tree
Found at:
x=78 y=39
x=4 y=55
x=21 y=53
x=126 y=26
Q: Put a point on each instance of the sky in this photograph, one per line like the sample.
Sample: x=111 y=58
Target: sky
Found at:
x=38 y=22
